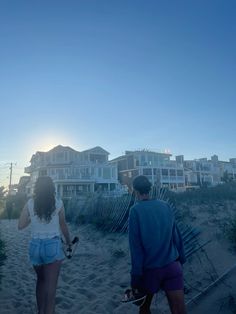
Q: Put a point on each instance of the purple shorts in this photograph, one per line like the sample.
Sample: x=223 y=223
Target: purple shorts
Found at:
x=167 y=278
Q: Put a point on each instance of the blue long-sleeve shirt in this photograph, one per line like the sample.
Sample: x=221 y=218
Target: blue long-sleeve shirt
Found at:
x=154 y=238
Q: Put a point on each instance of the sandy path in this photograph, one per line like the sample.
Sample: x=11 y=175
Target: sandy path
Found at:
x=94 y=280
x=91 y=282
x=221 y=298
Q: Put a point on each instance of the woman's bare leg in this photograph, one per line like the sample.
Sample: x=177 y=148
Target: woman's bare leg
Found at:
x=176 y=301
x=51 y=273
x=40 y=288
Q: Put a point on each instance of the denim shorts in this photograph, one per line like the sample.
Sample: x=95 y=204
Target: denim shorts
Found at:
x=45 y=251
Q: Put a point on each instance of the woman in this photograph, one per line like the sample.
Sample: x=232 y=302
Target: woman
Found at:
x=156 y=249
x=46 y=215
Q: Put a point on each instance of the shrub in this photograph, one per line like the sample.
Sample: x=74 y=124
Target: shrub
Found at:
x=2 y=255
x=13 y=206
x=230 y=231
x=2 y=206
x=205 y=195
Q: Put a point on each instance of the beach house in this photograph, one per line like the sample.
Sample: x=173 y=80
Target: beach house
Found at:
x=158 y=167
x=74 y=173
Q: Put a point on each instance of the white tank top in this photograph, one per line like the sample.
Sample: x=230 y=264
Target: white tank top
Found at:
x=41 y=229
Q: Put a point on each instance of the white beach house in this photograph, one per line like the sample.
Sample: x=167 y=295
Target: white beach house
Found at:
x=74 y=173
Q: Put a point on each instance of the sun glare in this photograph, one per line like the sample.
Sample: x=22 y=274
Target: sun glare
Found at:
x=47 y=142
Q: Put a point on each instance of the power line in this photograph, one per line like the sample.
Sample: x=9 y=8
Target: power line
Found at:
x=10 y=176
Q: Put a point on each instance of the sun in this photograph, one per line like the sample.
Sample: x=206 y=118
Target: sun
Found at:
x=47 y=141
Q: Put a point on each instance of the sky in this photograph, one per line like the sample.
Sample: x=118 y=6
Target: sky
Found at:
x=120 y=74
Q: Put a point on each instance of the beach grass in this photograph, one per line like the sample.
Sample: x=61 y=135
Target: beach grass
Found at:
x=230 y=232
x=12 y=205
x=2 y=257
x=2 y=206
x=205 y=194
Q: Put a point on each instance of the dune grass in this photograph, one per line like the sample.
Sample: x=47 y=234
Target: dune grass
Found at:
x=206 y=195
x=2 y=257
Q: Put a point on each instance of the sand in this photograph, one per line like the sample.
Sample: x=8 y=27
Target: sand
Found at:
x=94 y=280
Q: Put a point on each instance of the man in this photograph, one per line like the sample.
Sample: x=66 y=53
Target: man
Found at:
x=156 y=249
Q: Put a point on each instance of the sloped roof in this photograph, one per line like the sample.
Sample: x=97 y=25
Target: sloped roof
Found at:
x=61 y=147
x=97 y=149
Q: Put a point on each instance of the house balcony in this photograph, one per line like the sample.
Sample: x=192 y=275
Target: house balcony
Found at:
x=178 y=179
x=170 y=165
x=72 y=178
x=28 y=169
x=63 y=178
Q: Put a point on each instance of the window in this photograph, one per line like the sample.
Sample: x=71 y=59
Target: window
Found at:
x=106 y=173
x=164 y=172
x=180 y=173
x=142 y=160
x=112 y=186
x=84 y=172
x=60 y=172
x=150 y=160
x=98 y=158
x=156 y=171
x=172 y=172
x=113 y=171
x=60 y=156
x=147 y=171
x=43 y=172
x=99 y=172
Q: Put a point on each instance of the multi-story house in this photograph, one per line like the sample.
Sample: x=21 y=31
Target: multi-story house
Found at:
x=74 y=173
x=77 y=173
x=228 y=168
x=198 y=172
x=158 y=167
x=202 y=171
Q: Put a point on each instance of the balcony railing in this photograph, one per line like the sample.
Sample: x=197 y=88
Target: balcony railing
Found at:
x=28 y=169
x=178 y=179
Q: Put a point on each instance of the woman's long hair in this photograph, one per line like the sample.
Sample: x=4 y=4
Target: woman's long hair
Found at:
x=44 y=198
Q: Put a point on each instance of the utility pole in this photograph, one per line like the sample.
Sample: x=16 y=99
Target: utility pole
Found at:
x=10 y=178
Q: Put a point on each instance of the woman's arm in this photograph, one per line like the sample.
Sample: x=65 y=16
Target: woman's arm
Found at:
x=63 y=226
x=24 y=219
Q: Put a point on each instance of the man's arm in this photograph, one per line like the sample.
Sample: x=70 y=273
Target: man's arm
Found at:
x=136 y=250
x=179 y=243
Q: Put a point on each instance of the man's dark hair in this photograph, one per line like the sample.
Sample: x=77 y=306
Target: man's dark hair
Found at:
x=142 y=185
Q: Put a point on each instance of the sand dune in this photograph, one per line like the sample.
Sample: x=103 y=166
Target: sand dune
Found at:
x=91 y=282
x=94 y=280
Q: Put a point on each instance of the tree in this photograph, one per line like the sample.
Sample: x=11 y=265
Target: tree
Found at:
x=2 y=192
x=226 y=177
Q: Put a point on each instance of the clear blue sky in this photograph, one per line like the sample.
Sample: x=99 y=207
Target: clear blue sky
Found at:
x=121 y=74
